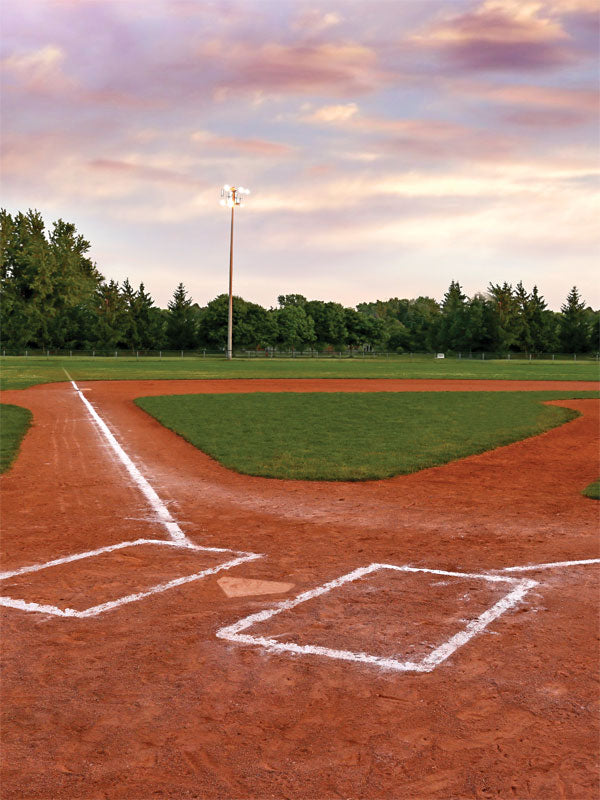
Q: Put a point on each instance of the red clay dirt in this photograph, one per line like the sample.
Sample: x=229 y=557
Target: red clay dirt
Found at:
x=144 y=701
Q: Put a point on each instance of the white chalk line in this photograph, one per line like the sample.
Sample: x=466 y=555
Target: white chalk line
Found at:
x=22 y=605
x=108 y=549
x=551 y=565
x=234 y=632
x=177 y=539
x=158 y=506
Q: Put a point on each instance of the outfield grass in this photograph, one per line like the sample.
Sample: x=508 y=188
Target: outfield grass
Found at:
x=353 y=436
x=593 y=490
x=14 y=422
x=18 y=372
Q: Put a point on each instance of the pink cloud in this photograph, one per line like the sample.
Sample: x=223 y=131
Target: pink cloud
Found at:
x=339 y=69
x=144 y=172
x=500 y=35
x=259 y=147
x=546 y=117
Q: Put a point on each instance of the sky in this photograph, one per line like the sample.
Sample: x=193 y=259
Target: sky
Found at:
x=391 y=146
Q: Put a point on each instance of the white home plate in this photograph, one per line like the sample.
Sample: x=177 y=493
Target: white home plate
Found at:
x=242 y=587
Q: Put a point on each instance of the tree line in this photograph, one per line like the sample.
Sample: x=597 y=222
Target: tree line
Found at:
x=54 y=297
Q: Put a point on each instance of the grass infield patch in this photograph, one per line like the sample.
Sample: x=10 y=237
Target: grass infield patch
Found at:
x=14 y=422
x=351 y=436
x=593 y=490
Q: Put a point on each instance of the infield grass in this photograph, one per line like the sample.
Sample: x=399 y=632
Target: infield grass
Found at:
x=350 y=436
x=14 y=422
x=19 y=372
x=593 y=490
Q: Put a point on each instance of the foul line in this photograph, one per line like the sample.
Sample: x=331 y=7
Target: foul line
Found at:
x=151 y=496
x=551 y=565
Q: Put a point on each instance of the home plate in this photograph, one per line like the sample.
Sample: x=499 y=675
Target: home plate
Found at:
x=242 y=587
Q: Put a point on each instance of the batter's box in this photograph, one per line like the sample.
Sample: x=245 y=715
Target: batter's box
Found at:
x=110 y=573
x=393 y=616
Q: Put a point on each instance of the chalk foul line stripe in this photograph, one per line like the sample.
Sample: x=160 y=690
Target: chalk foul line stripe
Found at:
x=551 y=565
x=158 y=506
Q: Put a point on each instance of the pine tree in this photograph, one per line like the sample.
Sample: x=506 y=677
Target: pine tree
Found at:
x=522 y=319
x=112 y=316
x=452 y=329
x=541 y=324
x=181 y=321
x=504 y=325
x=130 y=332
x=574 y=332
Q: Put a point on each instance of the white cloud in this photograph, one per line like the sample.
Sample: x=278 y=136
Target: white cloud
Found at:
x=328 y=114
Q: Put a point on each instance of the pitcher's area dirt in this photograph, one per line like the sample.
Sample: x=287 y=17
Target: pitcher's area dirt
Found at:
x=144 y=702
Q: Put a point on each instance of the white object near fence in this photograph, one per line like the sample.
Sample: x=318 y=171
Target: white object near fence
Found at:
x=441 y=355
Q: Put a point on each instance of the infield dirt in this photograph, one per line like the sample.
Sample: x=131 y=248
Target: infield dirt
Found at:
x=145 y=702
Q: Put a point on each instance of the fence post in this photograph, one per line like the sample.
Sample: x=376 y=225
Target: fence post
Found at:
x=530 y=356
x=460 y=356
x=93 y=353
x=160 y=353
x=182 y=353
x=115 y=353
x=483 y=356
x=137 y=353
x=574 y=356
x=552 y=356
x=204 y=354
x=26 y=353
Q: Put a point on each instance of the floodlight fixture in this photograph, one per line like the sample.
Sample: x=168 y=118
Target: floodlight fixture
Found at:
x=231 y=196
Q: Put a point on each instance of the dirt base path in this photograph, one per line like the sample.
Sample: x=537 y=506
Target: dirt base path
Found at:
x=144 y=701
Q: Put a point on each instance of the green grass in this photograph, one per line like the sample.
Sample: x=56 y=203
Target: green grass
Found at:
x=14 y=422
x=19 y=372
x=353 y=436
x=593 y=490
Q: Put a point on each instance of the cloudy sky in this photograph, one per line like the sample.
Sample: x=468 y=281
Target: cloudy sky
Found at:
x=390 y=145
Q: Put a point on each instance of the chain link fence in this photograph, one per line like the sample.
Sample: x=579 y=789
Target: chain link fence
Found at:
x=327 y=353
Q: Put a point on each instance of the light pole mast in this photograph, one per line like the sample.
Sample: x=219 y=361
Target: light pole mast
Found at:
x=231 y=196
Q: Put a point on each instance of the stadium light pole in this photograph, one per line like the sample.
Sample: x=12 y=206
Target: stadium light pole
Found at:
x=231 y=196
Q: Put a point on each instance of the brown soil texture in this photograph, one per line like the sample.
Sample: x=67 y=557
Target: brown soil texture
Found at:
x=145 y=702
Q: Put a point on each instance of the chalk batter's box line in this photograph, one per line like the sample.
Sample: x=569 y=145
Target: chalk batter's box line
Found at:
x=22 y=605
x=520 y=588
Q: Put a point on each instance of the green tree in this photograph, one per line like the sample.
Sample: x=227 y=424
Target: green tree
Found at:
x=479 y=323
x=504 y=328
x=329 y=321
x=542 y=324
x=182 y=319
x=574 y=331
x=253 y=326
x=130 y=322
x=295 y=327
x=523 y=340
x=452 y=325
x=43 y=280
x=111 y=315
x=364 y=330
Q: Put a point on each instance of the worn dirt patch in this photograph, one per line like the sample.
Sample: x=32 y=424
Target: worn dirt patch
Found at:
x=145 y=701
